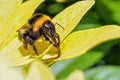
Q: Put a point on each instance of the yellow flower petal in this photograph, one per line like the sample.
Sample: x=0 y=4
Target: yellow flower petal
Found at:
x=80 y=42
x=71 y=16
x=6 y=7
x=12 y=50
x=20 y=56
x=38 y=71
x=6 y=72
x=11 y=74
x=76 y=75
x=19 y=17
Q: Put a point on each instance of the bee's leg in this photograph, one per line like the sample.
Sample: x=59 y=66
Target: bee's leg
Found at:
x=31 y=42
x=57 y=45
x=47 y=39
x=35 y=50
x=22 y=38
x=20 y=35
x=58 y=54
x=25 y=45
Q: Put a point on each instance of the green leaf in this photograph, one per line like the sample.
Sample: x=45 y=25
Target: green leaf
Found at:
x=82 y=62
x=86 y=26
x=103 y=73
x=113 y=7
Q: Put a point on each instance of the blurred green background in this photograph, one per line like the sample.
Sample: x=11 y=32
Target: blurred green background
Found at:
x=100 y=63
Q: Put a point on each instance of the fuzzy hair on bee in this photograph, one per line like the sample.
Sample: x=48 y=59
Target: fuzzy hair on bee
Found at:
x=36 y=27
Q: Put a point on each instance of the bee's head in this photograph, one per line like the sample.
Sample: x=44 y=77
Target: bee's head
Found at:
x=50 y=32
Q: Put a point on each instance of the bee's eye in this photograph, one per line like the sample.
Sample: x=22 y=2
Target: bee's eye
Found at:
x=49 y=25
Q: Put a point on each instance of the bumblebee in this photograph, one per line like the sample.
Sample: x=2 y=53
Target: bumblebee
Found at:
x=36 y=27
